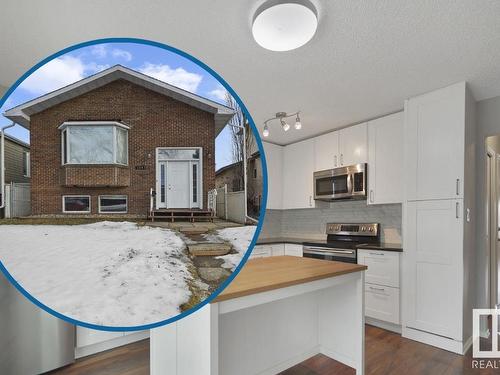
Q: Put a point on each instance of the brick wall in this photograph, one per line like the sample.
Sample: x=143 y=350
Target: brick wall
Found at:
x=154 y=120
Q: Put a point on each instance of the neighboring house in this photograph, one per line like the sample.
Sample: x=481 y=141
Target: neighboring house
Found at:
x=98 y=146
x=255 y=184
x=231 y=175
x=17 y=160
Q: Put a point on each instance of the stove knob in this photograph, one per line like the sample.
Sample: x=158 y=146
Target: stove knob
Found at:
x=371 y=229
x=363 y=229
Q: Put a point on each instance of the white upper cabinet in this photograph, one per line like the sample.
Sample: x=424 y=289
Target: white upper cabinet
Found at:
x=385 y=159
x=326 y=151
x=298 y=162
x=434 y=144
x=274 y=160
x=353 y=145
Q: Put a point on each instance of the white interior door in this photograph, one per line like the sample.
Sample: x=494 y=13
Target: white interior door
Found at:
x=178 y=189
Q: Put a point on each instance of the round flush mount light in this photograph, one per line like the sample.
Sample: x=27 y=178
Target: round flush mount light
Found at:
x=284 y=25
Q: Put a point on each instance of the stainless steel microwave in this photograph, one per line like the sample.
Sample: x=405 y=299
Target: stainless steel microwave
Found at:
x=341 y=183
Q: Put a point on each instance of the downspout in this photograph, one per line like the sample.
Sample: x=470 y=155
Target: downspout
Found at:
x=2 y=163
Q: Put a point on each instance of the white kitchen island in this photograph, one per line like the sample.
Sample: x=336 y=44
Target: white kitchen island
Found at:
x=276 y=313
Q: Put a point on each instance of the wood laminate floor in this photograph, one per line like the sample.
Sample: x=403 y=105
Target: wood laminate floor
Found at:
x=387 y=353
x=131 y=359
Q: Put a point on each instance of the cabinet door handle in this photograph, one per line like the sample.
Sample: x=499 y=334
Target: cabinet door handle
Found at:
x=458 y=186
x=457 y=210
x=380 y=289
x=371 y=195
x=341 y=159
x=377 y=254
x=310 y=201
x=335 y=160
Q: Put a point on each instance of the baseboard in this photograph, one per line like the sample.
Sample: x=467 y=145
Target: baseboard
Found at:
x=291 y=362
x=110 y=344
x=339 y=357
x=435 y=340
x=396 y=328
x=467 y=345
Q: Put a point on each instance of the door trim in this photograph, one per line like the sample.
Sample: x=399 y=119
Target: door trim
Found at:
x=200 y=175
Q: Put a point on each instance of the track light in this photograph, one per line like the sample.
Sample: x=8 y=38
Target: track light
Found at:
x=265 y=132
x=285 y=125
x=298 y=124
x=281 y=116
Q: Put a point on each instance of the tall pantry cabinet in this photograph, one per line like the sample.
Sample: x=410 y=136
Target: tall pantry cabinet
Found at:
x=437 y=293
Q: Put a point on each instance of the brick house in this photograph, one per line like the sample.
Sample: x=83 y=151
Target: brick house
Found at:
x=101 y=145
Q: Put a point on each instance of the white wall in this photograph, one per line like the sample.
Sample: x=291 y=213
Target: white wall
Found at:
x=488 y=124
x=2 y=90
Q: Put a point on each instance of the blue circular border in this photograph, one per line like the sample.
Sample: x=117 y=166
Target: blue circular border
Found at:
x=262 y=209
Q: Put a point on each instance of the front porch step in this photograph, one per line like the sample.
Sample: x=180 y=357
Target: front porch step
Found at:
x=209 y=249
x=181 y=214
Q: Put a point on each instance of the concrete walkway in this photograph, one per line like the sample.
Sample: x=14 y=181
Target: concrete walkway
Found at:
x=202 y=247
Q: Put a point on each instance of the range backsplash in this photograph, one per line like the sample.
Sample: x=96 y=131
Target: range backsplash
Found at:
x=311 y=222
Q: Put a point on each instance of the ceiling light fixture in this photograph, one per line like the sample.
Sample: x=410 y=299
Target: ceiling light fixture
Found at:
x=284 y=25
x=281 y=116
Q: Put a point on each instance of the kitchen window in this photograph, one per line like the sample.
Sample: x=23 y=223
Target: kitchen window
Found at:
x=113 y=204
x=94 y=143
x=26 y=164
x=76 y=204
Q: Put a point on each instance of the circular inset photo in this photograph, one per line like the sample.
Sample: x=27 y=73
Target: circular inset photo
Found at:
x=134 y=188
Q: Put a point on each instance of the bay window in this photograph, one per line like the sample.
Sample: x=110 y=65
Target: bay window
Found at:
x=94 y=143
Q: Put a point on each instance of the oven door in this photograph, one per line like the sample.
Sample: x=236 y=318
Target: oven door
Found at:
x=326 y=253
x=328 y=186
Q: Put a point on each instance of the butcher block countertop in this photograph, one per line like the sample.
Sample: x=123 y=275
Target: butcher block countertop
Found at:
x=264 y=274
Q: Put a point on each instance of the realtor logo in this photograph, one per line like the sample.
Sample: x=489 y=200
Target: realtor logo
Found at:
x=476 y=334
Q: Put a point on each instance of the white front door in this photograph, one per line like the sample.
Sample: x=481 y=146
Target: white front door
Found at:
x=178 y=184
x=178 y=178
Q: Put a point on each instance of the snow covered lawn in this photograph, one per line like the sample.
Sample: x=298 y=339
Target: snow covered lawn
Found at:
x=107 y=273
x=240 y=238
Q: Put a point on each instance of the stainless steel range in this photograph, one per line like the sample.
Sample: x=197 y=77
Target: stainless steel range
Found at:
x=342 y=241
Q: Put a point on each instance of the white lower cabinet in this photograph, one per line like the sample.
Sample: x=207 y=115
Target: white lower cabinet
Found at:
x=382 y=302
x=381 y=284
x=86 y=336
x=293 y=250
x=273 y=250
x=90 y=341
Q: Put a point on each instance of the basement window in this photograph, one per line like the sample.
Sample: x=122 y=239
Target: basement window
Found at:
x=76 y=204
x=94 y=143
x=112 y=204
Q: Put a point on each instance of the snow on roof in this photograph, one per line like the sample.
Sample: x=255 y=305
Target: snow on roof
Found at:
x=21 y=113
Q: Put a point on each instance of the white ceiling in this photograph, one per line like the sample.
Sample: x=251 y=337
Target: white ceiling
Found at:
x=365 y=59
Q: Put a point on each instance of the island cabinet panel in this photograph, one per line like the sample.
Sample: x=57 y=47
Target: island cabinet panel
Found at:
x=278 y=312
x=435 y=144
x=385 y=159
x=298 y=160
x=326 y=151
x=274 y=161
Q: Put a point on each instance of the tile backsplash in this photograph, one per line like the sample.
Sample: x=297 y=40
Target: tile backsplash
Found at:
x=311 y=222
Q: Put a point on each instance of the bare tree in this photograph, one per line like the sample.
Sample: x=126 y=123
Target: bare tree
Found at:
x=237 y=138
